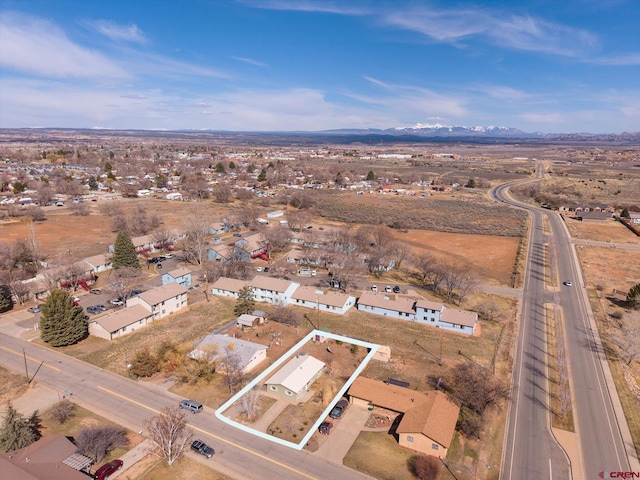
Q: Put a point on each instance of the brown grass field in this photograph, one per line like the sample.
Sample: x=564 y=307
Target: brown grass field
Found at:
x=609 y=231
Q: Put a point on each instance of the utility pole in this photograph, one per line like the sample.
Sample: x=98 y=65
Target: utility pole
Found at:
x=26 y=371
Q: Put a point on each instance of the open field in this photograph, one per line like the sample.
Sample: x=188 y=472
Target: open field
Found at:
x=476 y=215
x=609 y=268
x=608 y=231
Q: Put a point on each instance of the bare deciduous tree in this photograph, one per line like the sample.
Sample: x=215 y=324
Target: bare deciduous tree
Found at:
x=21 y=291
x=197 y=228
x=628 y=339
x=230 y=365
x=169 y=434
x=222 y=194
x=96 y=442
x=249 y=404
x=476 y=387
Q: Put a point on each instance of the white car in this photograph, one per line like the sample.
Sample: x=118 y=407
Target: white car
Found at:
x=568 y=283
x=259 y=269
x=374 y=288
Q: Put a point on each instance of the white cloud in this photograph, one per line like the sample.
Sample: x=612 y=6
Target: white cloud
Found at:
x=502 y=92
x=250 y=61
x=543 y=118
x=129 y=33
x=323 y=6
x=38 y=47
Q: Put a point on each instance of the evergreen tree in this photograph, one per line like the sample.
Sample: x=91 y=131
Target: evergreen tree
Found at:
x=17 y=431
x=370 y=176
x=263 y=175
x=245 y=302
x=93 y=183
x=124 y=253
x=144 y=364
x=61 y=322
x=6 y=303
x=633 y=297
x=624 y=213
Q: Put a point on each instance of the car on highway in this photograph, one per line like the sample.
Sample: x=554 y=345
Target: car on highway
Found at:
x=108 y=469
x=191 y=405
x=568 y=283
x=339 y=408
x=202 y=448
x=35 y=309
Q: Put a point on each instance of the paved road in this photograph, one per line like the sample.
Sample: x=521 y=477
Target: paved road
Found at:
x=530 y=450
x=129 y=403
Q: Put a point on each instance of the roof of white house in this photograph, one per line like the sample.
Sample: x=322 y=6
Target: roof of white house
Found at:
x=220 y=343
x=297 y=373
x=246 y=319
x=161 y=294
x=179 y=272
x=459 y=317
x=311 y=294
x=269 y=283
x=98 y=260
x=388 y=301
x=229 y=284
x=143 y=240
x=122 y=318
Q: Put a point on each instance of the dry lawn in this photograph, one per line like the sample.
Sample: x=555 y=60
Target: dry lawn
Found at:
x=609 y=231
x=609 y=268
x=153 y=468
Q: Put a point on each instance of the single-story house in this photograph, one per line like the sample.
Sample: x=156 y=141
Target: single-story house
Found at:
x=53 y=457
x=594 y=216
x=428 y=418
x=333 y=302
x=120 y=322
x=246 y=320
x=219 y=347
x=180 y=275
x=295 y=377
x=228 y=287
x=99 y=263
x=162 y=301
x=221 y=253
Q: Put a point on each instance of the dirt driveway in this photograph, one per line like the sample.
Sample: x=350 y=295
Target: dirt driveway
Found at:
x=344 y=432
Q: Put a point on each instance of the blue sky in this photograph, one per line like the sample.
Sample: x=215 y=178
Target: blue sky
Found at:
x=274 y=65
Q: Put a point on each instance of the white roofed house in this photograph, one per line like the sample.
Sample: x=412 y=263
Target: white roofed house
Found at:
x=228 y=287
x=222 y=349
x=162 y=301
x=295 y=378
x=428 y=312
x=246 y=320
x=333 y=302
x=272 y=290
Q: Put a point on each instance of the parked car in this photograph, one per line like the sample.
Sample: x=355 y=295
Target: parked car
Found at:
x=95 y=291
x=374 y=288
x=117 y=302
x=396 y=289
x=202 y=448
x=35 y=309
x=237 y=234
x=325 y=428
x=135 y=292
x=106 y=470
x=168 y=256
x=339 y=408
x=94 y=310
x=266 y=269
x=155 y=260
x=259 y=269
x=388 y=289
x=314 y=273
x=102 y=307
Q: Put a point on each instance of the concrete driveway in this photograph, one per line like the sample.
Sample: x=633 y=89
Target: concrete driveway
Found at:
x=343 y=434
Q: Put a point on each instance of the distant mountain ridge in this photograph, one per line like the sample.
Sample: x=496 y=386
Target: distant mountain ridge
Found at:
x=438 y=130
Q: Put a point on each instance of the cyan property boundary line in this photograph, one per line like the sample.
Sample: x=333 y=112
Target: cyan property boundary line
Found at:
x=373 y=348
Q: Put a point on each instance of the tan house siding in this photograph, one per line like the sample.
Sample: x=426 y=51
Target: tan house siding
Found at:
x=422 y=443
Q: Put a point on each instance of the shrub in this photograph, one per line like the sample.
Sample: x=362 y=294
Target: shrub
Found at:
x=62 y=411
x=426 y=467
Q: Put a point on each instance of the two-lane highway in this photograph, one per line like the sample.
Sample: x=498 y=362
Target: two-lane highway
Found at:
x=129 y=403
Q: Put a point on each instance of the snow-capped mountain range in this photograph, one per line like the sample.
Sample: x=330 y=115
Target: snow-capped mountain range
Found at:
x=425 y=129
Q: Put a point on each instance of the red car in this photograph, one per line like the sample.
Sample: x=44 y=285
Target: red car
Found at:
x=107 y=469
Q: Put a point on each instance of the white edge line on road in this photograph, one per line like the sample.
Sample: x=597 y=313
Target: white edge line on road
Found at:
x=298 y=446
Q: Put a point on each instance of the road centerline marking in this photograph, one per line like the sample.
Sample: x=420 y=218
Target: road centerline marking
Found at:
x=45 y=364
x=216 y=437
